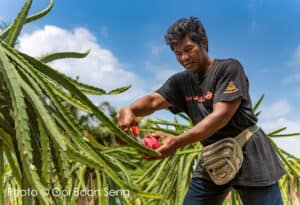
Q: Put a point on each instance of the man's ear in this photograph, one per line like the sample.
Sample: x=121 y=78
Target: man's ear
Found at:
x=204 y=43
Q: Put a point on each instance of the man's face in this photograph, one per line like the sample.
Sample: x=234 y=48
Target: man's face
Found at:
x=191 y=56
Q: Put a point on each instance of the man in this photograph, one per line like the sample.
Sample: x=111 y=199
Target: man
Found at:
x=215 y=95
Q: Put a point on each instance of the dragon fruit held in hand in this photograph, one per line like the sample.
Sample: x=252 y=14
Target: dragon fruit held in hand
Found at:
x=151 y=141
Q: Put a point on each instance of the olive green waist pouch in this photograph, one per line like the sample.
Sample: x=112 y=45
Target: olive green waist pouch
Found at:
x=223 y=159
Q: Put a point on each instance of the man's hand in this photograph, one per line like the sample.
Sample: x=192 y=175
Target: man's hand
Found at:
x=168 y=147
x=126 y=119
x=142 y=107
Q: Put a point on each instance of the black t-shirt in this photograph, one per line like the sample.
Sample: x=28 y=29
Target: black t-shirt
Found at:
x=195 y=95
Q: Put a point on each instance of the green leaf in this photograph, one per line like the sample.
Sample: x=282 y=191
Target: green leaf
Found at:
x=150 y=195
x=160 y=129
x=5 y=125
x=62 y=55
x=180 y=182
x=286 y=135
x=119 y=90
x=68 y=98
x=7 y=139
x=12 y=80
x=40 y=14
x=18 y=24
x=148 y=171
x=184 y=116
x=292 y=168
x=257 y=104
x=10 y=156
x=257 y=113
x=45 y=116
x=45 y=151
x=291 y=156
x=276 y=131
x=168 y=123
x=154 y=180
x=29 y=19
x=55 y=76
x=87 y=89
x=188 y=151
x=76 y=156
x=168 y=191
x=2 y=192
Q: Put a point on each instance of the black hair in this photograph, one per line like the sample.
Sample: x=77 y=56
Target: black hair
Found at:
x=183 y=27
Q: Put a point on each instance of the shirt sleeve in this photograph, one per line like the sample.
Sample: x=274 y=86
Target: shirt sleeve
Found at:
x=171 y=91
x=231 y=83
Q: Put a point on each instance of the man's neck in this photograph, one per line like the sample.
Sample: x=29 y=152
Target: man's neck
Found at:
x=200 y=74
x=209 y=64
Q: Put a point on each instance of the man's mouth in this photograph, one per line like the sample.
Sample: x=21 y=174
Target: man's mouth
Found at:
x=187 y=65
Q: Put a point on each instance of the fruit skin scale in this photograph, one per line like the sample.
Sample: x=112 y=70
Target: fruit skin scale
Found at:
x=151 y=142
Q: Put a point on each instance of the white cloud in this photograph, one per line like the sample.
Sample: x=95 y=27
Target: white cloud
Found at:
x=100 y=68
x=290 y=144
x=272 y=124
x=276 y=110
x=160 y=73
x=275 y=117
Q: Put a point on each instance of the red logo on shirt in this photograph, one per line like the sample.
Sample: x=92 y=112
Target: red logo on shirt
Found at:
x=207 y=96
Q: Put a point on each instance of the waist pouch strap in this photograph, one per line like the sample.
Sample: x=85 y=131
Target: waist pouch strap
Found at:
x=223 y=159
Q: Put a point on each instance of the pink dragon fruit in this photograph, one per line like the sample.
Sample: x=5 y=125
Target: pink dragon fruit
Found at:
x=151 y=142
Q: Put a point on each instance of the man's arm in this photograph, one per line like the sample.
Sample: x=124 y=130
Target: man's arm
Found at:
x=221 y=115
x=148 y=104
x=141 y=107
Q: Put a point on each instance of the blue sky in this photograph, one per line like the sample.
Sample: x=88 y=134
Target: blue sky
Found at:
x=127 y=42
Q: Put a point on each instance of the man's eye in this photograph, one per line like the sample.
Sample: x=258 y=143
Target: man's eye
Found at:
x=188 y=49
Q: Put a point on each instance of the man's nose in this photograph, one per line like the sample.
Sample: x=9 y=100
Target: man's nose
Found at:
x=185 y=57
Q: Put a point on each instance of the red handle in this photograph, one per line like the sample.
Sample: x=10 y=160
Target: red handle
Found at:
x=135 y=130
